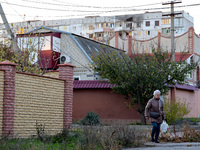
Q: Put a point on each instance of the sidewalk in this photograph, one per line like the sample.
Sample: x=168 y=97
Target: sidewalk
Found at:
x=169 y=146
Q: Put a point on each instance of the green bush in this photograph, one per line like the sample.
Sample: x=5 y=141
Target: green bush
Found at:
x=90 y=119
x=175 y=110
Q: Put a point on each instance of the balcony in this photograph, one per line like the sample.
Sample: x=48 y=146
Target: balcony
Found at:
x=107 y=29
x=98 y=30
x=122 y=29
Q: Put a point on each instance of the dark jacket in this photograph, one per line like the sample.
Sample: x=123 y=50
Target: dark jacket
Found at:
x=153 y=106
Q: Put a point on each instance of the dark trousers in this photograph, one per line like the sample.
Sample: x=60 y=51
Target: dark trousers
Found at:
x=155 y=130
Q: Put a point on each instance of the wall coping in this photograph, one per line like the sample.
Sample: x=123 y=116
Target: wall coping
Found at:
x=7 y=62
x=66 y=64
x=31 y=74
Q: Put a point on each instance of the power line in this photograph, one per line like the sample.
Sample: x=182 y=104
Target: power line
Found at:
x=52 y=9
x=13 y=8
x=86 y=6
x=102 y=11
x=58 y=47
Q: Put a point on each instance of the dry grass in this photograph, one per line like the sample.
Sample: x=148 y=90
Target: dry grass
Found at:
x=185 y=134
x=111 y=137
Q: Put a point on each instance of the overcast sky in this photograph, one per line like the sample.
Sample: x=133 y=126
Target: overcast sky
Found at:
x=24 y=10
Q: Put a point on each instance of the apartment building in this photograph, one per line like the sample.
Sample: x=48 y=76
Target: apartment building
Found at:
x=155 y=22
x=102 y=28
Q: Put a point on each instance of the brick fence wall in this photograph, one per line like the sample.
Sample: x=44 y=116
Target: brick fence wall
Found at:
x=1 y=99
x=27 y=98
x=38 y=99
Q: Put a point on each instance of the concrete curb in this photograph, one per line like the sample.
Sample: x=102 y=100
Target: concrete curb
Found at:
x=163 y=144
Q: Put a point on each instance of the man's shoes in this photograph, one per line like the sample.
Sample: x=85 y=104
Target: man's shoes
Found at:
x=156 y=141
x=152 y=140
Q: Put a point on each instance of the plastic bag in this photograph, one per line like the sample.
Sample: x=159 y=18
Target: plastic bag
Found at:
x=164 y=127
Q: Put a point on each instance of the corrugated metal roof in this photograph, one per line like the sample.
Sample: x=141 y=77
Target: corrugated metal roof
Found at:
x=91 y=84
x=185 y=87
x=96 y=84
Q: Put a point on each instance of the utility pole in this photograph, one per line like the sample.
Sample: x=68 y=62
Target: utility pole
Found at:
x=172 y=14
x=13 y=38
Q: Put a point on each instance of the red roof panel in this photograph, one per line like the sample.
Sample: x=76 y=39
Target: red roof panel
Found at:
x=87 y=84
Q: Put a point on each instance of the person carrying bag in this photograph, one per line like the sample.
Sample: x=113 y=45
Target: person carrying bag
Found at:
x=155 y=111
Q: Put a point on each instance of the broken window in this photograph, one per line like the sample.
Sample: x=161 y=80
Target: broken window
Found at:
x=138 y=24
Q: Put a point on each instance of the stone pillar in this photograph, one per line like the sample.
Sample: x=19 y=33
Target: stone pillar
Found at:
x=116 y=39
x=159 y=40
x=8 y=98
x=66 y=72
x=129 y=45
x=191 y=40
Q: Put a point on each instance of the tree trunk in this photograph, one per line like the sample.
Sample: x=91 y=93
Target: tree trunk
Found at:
x=141 y=111
x=142 y=117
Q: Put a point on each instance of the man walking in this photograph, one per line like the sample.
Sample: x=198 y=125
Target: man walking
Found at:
x=155 y=111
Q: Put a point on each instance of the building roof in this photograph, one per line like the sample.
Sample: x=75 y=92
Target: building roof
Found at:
x=178 y=56
x=96 y=84
x=91 y=84
x=185 y=87
x=181 y=57
x=87 y=46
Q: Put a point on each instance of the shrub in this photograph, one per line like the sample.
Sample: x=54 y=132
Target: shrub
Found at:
x=40 y=128
x=90 y=119
x=175 y=110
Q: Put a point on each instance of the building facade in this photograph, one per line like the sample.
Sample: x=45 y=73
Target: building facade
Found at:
x=102 y=28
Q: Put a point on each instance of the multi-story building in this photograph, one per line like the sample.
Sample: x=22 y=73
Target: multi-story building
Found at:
x=102 y=28
x=155 y=22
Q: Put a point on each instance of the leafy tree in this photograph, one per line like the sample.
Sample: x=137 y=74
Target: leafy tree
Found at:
x=24 y=58
x=136 y=77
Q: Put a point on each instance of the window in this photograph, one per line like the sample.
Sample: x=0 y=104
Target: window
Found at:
x=148 y=32
x=74 y=28
x=45 y=43
x=198 y=74
x=91 y=27
x=191 y=60
x=99 y=35
x=156 y=23
x=147 y=23
x=138 y=33
x=76 y=78
x=107 y=25
x=90 y=36
x=138 y=25
x=165 y=21
x=189 y=75
x=129 y=25
x=168 y=30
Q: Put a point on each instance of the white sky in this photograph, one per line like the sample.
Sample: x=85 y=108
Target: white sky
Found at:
x=63 y=9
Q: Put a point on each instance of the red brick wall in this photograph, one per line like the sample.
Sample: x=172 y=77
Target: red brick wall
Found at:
x=109 y=106
x=66 y=73
x=8 y=98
